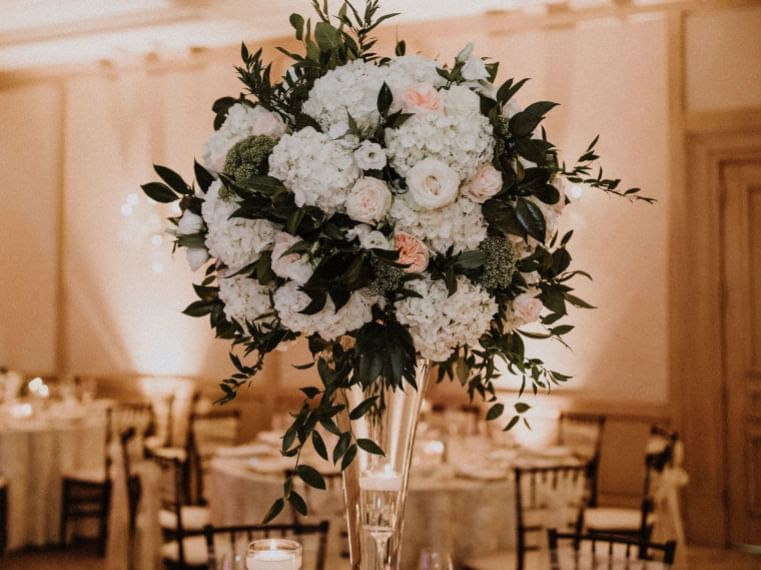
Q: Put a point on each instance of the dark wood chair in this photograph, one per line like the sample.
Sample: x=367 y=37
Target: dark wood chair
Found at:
x=181 y=524
x=86 y=493
x=543 y=496
x=633 y=522
x=235 y=540
x=3 y=514
x=208 y=432
x=603 y=551
x=582 y=433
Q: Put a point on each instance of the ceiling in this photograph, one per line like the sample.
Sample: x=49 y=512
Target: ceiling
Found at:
x=45 y=33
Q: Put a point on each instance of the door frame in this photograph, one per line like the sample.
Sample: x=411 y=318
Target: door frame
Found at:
x=698 y=388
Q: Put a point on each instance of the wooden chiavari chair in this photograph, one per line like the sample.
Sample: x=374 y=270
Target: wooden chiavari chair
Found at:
x=545 y=497
x=237 y=538
x=181 y=524
x=604 y=551
x=632 y=521
x=582 y=433
x=86 y=493
x=208 y=432
x=3 y=514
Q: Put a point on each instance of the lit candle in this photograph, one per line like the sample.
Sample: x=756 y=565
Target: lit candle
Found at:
x=274 y=554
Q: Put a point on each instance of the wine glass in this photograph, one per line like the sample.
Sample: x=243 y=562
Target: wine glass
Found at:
x=435 y=559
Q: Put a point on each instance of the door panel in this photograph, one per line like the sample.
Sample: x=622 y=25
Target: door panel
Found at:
x=741 y=217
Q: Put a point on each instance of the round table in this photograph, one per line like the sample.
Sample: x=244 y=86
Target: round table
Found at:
x=34 y=454
x=441 y=511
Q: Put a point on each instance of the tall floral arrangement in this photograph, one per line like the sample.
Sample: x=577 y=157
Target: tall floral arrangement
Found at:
x=388 y=209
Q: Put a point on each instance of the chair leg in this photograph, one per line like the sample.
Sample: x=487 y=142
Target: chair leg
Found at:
x=64 y=513
x=103 y=522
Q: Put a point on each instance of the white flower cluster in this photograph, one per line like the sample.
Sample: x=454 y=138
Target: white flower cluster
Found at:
x=236 y=242
x=318 y=170
x=353 y=89
x=328 y=322
x=245 y=298
x=242 y=121
x=439 y=323
x=460 y=136
x=460 y=225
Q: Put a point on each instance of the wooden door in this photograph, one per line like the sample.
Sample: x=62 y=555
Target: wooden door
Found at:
x=741 y=225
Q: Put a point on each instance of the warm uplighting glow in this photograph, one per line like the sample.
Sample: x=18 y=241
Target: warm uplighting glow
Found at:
x=157 y=240
x=126 y=210
x=543 y=433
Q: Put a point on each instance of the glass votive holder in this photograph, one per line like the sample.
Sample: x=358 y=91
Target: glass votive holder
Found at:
x=274 y=554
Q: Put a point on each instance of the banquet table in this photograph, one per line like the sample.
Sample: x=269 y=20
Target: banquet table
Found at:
x=34 y=454
x=440 y=509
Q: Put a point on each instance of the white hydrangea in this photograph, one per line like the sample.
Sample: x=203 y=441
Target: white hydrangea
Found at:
x=353 y=89
x=460 y=224
x=460 y=136
x=318 y=170
x=328 y=322
x=236 y=242
x=245 y=298
x=438 y=322
x=242 y=121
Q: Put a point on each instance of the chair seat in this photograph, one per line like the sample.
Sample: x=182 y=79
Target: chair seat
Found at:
x=195 y=549
x=172 y=453
x=507 y=560
x=86 y=475
x=193 y=518
x=613 y=518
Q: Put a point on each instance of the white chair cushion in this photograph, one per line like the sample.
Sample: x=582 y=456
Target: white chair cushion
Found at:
x=196 y=553
x=87 y=475
x=171 y=453
x=612 y=518
x=193 y=518
x=507 y=560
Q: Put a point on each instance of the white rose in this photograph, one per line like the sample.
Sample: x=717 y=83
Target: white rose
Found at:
x=290 y=266
x=197 y=256
x=369 y=200
x=474 y=69
x=189 y=224
x=526 y=307
x=369 y=238
x=460 y=100
x=432 y=183
x=484 y=184
x=511 y=108
x=339 y=129
x=370 y=156
x=269 y=124
x=465 y=52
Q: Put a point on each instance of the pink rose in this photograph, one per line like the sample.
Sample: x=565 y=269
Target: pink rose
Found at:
x=369 y=200
x=527 y=308
x=269 y=124
x=484 y=184
x=420 y=98
x=412 y=252
x=289 y=266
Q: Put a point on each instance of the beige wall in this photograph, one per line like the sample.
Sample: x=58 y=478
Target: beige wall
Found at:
x=120 y=316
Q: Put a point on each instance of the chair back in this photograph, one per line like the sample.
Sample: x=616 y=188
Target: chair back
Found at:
x=233 y=541
x=659 y=455
x=170 y=493
x=546 y=497
x=607 y=551
x=133 y=481
x=582 y=433
x=135 y=418
x=208 y=432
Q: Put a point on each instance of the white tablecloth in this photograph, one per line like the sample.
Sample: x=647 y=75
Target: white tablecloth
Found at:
x=34 y=454
x=465 y=517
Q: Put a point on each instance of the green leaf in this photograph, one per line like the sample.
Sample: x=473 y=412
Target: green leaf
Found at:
x=362 y=408
x=159 y=192
x=522 y=407
x=319 y=445
x=370 y=446
x=298 y=503
x=511 y=424
x=385 y=98
x=310 y=391
x=470 y=259
x=327 y=36
x=275 y=510
x=348 y=457
x=173 y=179
x=576 y=302
x=561 y=330
x=203 y=176
x=297 y=21
x=341 y=446
x=199 y=308
x=310 y=476
x=531 y=219
x=495 y=411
